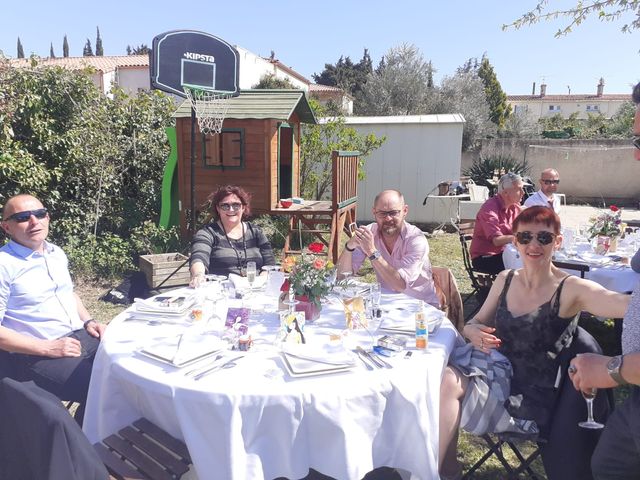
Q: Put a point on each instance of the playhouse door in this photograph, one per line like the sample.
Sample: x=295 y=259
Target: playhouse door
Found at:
x=285 y=161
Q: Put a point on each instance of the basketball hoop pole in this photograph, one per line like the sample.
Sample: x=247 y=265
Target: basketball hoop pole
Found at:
x=192 y=228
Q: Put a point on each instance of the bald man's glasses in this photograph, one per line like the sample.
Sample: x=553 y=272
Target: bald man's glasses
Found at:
x=550 y=182
x=21 y=217
x=382 y=214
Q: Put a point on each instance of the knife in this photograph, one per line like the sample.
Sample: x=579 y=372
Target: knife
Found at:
x=216 y=368
x=381 y=360
x=370 y=357
x=364 y=360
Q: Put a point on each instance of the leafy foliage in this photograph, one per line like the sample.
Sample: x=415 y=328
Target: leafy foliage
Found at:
x=20 y=50
x=349 y=76
x=605 y=10
x=482 y=169
x=51 y=52
x=399 y=85
x=141 y=49
x=316 y=144
x=87 y=51
x=95 y=162
x=270 y=81
x=594 y=126
x=65 y=47
x=99 y=49
x=497 y=99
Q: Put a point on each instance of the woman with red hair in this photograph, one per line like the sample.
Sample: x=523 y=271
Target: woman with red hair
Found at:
x=512 y=375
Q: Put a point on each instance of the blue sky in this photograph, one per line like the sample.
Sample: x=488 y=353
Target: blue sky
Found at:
x=306 y=35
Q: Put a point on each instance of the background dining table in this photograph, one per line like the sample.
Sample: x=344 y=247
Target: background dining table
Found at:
x=257 y=420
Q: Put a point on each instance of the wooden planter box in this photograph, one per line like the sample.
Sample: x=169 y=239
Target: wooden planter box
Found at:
x=158 y=267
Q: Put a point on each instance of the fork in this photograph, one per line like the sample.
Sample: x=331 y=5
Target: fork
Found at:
x=203 y=367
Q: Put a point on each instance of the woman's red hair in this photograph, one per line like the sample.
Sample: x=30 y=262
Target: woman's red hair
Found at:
x=538 y=214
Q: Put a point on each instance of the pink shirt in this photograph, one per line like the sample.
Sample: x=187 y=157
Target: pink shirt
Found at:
x=410 y=258
x=492 y=220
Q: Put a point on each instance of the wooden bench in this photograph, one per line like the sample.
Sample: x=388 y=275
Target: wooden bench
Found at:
x=144 y=451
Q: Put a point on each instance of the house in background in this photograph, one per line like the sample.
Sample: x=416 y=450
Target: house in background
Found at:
x=543 y=105
x=131 y=73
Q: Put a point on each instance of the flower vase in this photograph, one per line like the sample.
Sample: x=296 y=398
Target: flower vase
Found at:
x=603 y=244
x=310 y=309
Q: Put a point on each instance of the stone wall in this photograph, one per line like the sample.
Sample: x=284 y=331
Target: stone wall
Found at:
x=591 y=171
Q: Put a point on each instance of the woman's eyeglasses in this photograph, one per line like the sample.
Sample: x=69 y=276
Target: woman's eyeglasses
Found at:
x=550 y=182
x=21 y=217
x=543 y=237
x=225 y=207
x=636 y=142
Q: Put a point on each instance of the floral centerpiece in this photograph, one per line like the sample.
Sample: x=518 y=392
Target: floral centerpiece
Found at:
x=608 y=223
x=309 y=275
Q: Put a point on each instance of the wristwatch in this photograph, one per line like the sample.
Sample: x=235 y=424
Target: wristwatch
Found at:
x=613 y=367
x=374 y=256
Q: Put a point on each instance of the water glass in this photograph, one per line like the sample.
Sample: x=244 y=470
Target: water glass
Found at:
x=374 y=295
x=251 y=274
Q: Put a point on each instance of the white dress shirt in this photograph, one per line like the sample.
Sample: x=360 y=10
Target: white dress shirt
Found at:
x=541 y=199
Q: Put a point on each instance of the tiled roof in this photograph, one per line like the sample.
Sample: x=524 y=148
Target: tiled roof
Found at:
x=569 y=98
x=314 y=87
x=288 y=70
x=101 y=63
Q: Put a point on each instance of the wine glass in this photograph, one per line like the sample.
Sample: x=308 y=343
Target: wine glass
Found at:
x=589 y=395
x=251 y=275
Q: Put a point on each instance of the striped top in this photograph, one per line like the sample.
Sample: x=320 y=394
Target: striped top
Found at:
x=221 y=255
x=631 y=325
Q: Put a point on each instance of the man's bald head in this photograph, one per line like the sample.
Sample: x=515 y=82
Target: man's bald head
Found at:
x=10 y=206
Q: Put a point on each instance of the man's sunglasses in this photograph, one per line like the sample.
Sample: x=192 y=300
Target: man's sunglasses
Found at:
x=225 y=207
x=543 y=237
x=552 y=182
x=636 y=142
x=21 y=217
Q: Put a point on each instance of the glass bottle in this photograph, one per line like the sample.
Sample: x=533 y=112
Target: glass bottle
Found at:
x=421 y=327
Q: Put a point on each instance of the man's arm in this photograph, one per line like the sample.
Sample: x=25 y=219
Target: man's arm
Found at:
x=345 y=260
x=12 y=341
x=92 y=327
x=493 y=229
x=591 y=371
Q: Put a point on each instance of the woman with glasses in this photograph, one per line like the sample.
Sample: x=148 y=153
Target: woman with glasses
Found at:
x=228 y=243
x=526 y=332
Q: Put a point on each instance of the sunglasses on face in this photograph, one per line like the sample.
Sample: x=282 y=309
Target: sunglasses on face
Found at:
x=552 y=182
x=543 y=237
x=636 y=141
x=21 y=217
x=390 y=213
x=225 y=207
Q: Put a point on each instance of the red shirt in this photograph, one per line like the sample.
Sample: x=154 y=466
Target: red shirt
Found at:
x=493 y=220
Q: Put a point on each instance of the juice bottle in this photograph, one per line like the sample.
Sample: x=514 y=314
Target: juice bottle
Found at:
x=421 y=327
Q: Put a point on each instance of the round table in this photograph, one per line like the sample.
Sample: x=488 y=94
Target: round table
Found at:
x=257 y=421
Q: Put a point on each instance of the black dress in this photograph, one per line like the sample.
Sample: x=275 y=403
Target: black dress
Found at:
x=539 y=346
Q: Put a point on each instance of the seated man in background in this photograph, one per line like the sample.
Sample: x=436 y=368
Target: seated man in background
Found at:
x=398 y=251
x=46 y=333
x=492 y=230
x=546 y=196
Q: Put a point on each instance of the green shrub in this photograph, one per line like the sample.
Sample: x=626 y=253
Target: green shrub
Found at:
x=483 y=168
x=108 y=256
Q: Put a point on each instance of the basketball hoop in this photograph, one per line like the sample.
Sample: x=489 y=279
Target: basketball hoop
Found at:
x=211 y=108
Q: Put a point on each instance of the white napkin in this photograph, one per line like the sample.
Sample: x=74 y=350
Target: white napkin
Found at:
x=276 y=279
x=405 y=319
x=324 y=353
x=241 y=283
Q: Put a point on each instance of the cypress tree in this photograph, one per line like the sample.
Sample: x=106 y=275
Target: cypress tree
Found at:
x=87 y=51
x=20 y=49
x=496 y=98
x=51 y=52
x=65 y=47
x=99 y=50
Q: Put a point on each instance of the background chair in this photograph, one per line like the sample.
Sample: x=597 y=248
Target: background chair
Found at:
x=40 y=440
x=582 y=268
x=480 y=282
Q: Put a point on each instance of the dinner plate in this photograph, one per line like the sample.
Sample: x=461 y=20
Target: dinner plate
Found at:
x=184 y=353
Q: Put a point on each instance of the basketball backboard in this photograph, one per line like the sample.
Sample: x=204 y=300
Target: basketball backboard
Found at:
x=192 y=59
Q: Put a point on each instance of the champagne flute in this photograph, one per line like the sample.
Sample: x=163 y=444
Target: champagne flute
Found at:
x=251 y=275
x=589 y=396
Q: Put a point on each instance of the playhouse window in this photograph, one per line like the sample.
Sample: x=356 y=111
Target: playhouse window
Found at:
x=225 y=150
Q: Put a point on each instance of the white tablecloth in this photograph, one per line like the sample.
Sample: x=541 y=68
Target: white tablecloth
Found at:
x=614 y=276
x=250 y=422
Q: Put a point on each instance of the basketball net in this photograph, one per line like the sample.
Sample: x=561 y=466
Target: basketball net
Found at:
x=211 y=109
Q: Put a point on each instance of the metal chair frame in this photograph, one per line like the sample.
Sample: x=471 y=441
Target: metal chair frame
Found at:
x=480 y=282
x=496 y=443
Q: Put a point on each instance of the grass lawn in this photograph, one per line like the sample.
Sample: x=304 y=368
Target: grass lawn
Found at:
x=444 y=251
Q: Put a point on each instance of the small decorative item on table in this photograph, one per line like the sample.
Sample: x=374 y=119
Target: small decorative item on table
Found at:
x=309 y=278
x=292 y=327
x=236 y=324
x=607 y=226
x=354 y=313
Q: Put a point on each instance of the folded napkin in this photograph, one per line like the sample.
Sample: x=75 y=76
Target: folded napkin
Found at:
x=404 y=320
x=324 y=353
x=184 y=349
x=241 y=283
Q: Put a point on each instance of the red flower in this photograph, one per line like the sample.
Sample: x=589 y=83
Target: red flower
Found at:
x=613 y=208
x=318 y=264
x=316 y=247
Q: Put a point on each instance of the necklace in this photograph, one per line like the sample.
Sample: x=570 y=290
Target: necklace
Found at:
x=242 y=266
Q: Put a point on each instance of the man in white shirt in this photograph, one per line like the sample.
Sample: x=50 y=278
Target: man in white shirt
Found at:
x=546 y=196
x=46 y=333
